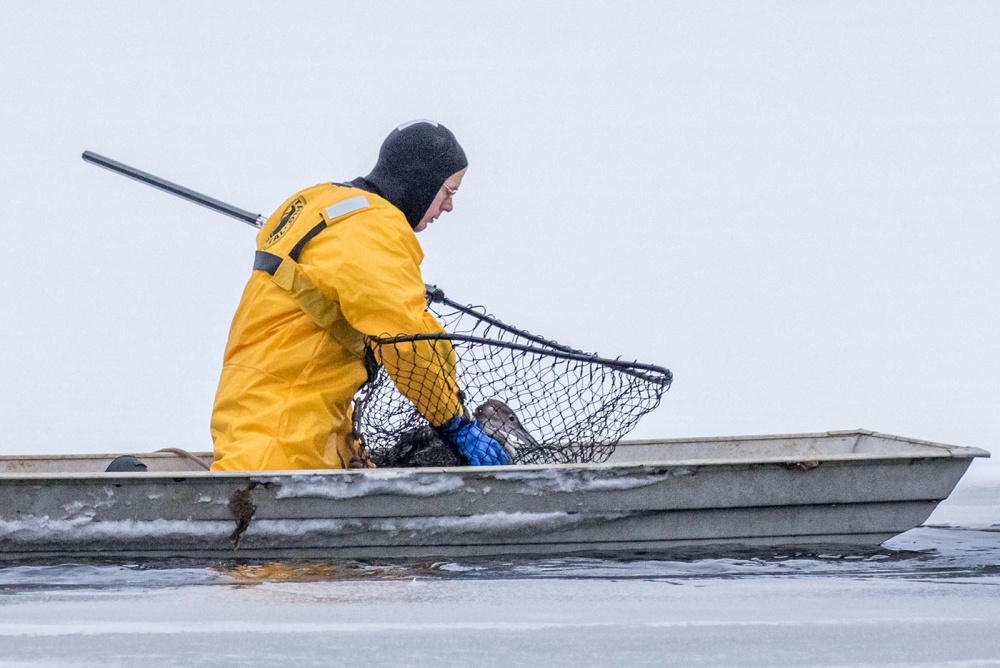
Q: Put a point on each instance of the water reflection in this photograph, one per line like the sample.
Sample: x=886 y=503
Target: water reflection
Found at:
x=936 y=553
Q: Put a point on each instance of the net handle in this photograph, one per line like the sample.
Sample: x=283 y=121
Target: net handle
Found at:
x=255 y=220
x=248 y=217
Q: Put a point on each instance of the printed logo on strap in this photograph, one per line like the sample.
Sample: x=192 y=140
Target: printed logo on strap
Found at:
x=288 y=217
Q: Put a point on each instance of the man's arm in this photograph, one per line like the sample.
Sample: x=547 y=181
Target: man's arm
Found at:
x=370 y=263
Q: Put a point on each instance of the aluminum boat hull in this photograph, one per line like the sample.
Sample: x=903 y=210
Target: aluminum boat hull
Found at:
x=855 y=488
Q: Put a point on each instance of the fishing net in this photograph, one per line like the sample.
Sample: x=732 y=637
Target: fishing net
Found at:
x=544 y=402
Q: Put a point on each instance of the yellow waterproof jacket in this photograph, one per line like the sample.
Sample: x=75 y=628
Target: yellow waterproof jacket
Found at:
x=334 y=264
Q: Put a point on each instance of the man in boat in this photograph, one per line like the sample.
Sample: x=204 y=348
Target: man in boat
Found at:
x=335 y=264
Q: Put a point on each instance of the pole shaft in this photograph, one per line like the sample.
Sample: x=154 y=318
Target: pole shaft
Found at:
x=252 y=219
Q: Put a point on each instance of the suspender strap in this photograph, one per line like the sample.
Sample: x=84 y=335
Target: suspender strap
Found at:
x=285 y=273
x=297 y=248
x=266 y=262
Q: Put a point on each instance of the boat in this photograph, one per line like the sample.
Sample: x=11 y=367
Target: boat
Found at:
x=833 y=489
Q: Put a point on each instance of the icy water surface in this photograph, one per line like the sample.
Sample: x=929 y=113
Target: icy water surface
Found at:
x=930 y=597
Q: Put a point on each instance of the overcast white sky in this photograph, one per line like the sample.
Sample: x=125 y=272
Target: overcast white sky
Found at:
x=792 y=205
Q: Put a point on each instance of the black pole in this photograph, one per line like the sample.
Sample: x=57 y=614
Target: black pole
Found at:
x=434 y=293
x=252 y=219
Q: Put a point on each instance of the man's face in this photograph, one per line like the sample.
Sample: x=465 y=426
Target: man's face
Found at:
x=442 y=201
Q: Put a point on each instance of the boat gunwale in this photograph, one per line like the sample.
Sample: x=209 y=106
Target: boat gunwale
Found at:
x=945 y=452
x=805 y=435
x=509 y=472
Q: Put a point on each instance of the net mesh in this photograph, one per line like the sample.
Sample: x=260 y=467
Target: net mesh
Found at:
x=544 y=402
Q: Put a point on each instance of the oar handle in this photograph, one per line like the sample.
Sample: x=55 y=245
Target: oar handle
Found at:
x=252 y=219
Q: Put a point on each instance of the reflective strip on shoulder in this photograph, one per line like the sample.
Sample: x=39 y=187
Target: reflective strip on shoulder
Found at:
x=346 y=206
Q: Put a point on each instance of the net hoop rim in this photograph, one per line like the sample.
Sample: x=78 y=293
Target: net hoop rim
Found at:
x=660 y=375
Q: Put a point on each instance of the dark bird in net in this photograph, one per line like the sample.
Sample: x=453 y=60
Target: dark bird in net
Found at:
x=423 y=446
x=544 y=402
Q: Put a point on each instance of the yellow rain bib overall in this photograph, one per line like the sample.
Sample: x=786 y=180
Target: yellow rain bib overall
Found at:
x=334 y=264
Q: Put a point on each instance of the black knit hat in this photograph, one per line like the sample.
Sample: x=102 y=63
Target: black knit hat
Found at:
x=413 y=163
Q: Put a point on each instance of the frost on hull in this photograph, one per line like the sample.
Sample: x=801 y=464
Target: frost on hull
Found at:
x=430 y=530
x=44 y=530
x=369 y=483
x=550 y=481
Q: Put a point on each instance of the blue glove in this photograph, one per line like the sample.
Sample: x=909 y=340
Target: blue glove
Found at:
x=473 y=443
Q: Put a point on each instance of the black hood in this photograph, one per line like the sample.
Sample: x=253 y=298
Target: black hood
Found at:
x=413 y=163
